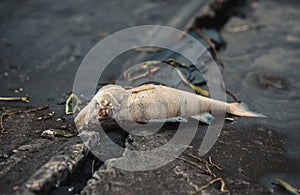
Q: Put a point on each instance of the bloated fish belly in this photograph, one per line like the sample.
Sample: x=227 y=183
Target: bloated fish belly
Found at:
x=153 y=104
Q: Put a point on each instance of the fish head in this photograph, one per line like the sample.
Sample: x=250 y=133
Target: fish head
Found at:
x=87 y=114
x=99 y=107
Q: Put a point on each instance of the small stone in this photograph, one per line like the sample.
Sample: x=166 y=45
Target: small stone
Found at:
x=48 y=133
x=240 y=170
x=25 y=148
x=258 y=142
x=51 y=113
x=15 y=188
x=70 y=189
x=63 y=127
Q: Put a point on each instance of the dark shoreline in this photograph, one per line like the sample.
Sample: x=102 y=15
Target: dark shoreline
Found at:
x=40 y=52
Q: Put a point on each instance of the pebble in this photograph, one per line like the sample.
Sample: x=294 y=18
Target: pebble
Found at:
x=49 y=133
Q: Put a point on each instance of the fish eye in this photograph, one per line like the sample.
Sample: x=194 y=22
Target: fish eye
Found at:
x=97 y=105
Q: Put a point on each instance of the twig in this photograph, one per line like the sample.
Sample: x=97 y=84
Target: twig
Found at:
x=223 y=189
x=213 y=47
x=106 y=83
x=35 y=109
x=229 y=119
x=193 y=163
x=244 y=27
x=198 y=158
x=205 y=163
x=93 y=165
x=232 y=94
x=288 y=187
x=146 y=64
x=152 y=70
x=23 y=99
x=143 y=66
x=189 y=25
x=213 y=164
x=195 y=88
x=218 y=57
x=171 y=62
x=176 y=64
x=142 y=88
x=185 y=30
x=68 y=102
x=8 y=113
x=207 y=170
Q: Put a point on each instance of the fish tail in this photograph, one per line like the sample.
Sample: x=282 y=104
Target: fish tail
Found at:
x=241 y=109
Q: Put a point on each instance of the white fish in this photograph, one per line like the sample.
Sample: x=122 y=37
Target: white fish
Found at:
x=153 y=103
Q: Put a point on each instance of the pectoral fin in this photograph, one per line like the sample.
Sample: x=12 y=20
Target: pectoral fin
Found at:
x=173 y=119
x=204 y=118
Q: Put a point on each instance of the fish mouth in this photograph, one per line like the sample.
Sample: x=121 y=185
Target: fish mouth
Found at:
x=105 y=109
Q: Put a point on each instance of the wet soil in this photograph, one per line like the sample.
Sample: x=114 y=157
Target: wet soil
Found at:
x=41 y=51
x=23 y=150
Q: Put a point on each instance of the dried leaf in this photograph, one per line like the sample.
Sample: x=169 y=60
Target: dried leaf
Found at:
x=288 y=187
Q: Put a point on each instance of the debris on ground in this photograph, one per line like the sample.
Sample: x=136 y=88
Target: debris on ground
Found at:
x=288 y=187
x=69 y=100
x=13 y=112
x=22 y=99
x=51 y=133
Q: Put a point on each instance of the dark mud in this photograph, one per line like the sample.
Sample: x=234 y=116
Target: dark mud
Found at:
x=42 y=45
x=40 y=52
x=266 y=61
x=23 y=150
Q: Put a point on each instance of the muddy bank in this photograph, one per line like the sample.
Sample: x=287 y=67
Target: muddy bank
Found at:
x=268 y=72
x=42 y=45
x=261 y=68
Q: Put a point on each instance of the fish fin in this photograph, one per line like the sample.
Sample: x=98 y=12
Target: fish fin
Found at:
x=143 y=88
x=241 y=109
x=204 y=118
x=173 y=119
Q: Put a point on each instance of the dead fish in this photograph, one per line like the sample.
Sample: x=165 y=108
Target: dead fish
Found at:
x=155 y=102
